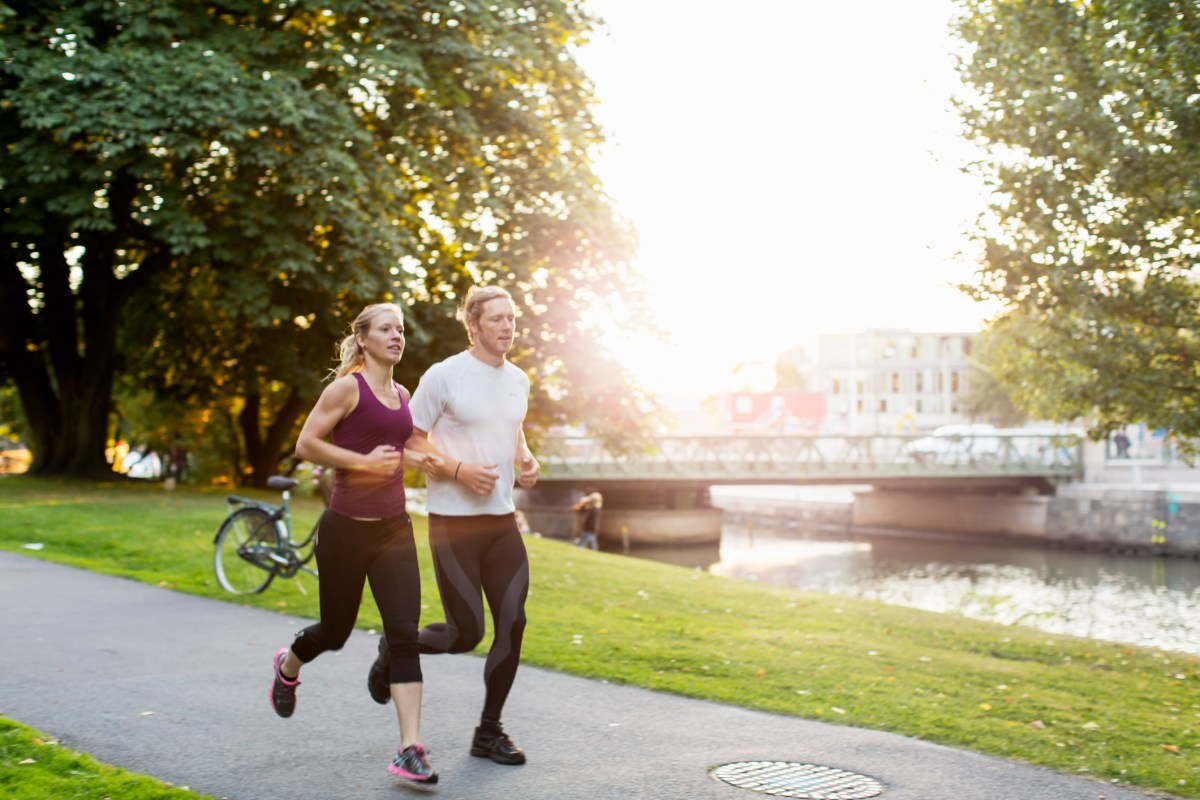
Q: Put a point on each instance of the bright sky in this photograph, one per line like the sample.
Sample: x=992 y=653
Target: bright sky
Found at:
x=792 y=169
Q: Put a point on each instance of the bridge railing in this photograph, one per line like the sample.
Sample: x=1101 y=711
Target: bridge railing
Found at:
x=725 y=458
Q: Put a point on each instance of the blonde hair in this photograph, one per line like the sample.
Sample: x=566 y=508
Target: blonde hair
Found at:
x=472 y=305
x=350 y=352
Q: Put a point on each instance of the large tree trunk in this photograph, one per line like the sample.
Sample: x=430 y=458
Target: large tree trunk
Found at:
x=69 y=415
x=63 y=376
x=264 y=451
x=63 y=357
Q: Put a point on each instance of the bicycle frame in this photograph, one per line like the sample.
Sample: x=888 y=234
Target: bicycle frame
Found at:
x=285 y=559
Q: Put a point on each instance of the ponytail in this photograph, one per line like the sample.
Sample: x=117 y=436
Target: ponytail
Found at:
x=350 y=357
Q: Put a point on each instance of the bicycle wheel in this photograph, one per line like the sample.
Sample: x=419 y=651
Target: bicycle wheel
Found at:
x=244 y=536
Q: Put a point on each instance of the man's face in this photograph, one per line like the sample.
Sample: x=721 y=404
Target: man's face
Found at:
x=494 y=331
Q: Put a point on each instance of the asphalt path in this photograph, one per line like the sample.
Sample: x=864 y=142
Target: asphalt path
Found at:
x=175 y=686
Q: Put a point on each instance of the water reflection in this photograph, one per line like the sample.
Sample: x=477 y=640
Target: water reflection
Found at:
x=1148 y=601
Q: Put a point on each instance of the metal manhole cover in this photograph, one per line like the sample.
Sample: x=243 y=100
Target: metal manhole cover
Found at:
x=801 y=781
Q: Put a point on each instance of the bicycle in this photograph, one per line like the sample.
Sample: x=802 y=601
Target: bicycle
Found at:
x=254 y=544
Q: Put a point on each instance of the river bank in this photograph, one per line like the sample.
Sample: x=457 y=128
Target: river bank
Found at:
x=1158 y=514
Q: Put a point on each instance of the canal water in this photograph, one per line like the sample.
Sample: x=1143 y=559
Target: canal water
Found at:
x=1140 y=600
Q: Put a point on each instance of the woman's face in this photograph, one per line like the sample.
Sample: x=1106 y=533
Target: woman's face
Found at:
x=384 y=341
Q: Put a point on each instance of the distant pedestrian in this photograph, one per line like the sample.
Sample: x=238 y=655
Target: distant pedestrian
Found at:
x=470 y=409
x=359 y=427
x=177 y=459
x=1121 y=440
x=590 y=506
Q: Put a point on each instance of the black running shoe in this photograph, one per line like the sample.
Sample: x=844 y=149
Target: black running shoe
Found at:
x=496 y=745
x=377 y=679
x=412 y=764
x=283 y=691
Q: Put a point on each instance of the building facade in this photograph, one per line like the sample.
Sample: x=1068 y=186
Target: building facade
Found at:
x=891 y=381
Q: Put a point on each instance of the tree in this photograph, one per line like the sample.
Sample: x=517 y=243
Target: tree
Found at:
x=986 y=398
x=201 y=196
x=788 y=373
x=1088 y=118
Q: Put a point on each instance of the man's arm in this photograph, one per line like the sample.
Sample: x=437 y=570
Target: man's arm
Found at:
x=479 y=478
x=530 y=469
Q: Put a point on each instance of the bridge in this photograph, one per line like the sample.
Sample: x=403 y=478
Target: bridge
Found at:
x=996 y=459
x=658 y=491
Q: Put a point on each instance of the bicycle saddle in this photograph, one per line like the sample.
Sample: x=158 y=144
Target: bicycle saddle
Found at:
x=281 y=483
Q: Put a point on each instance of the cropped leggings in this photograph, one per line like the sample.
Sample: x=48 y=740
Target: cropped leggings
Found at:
x=349 y=553
x=474 y=555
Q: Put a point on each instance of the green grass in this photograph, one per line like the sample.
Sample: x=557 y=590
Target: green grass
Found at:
x=1080 y=706
x=34 y=766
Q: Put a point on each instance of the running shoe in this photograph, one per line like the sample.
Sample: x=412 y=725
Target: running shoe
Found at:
x=412 y=763
x=496 y=745
x=283 y=691
x=377 y=678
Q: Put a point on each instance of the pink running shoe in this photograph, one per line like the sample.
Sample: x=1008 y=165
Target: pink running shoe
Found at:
x=283 y=691
x=412 y=763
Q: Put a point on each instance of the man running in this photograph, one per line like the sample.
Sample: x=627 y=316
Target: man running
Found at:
x=470 y=409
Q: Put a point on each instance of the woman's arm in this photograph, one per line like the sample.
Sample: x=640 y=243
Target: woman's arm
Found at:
x=338 y=400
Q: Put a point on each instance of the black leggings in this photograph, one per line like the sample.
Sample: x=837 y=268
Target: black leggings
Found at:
x=350 y=552
x=471 y=554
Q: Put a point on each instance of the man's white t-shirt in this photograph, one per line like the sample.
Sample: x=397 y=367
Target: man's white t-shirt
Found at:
x=473 y=412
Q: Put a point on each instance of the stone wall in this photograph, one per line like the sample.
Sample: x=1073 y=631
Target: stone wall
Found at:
x=1143 y=520
x=992 y=515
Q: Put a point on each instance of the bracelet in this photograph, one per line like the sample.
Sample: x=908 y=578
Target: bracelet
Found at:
x=456 y=469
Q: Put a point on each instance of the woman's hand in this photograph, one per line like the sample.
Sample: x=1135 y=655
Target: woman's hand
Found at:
x=429 y=463
x=383 y=460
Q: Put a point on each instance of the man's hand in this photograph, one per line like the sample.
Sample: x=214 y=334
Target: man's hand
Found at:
x=479 y=478
x=530 y=470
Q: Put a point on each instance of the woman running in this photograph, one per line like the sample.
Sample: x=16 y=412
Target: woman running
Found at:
x=360 y=426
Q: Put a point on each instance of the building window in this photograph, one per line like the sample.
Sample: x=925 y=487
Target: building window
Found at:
x=744 y=404
x=954 y=383
x=920 y=380
x=859 y=406
x=895 y=383
x=883 y=405
x=837 y=386
x=919 y=408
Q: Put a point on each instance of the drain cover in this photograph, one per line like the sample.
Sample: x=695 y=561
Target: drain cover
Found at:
x=802 y=781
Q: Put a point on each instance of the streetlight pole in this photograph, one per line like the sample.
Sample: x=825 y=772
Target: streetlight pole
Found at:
x=854 y=384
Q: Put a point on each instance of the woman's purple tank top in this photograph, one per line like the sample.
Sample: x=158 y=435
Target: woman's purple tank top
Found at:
x=370 y=424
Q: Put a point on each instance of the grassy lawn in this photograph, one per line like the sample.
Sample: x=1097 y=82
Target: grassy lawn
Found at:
x=1109 y=711
x=34 y=766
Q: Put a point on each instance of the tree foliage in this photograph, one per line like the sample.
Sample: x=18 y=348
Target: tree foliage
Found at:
x=1089 y=117
x=199 y=197
x=987 y=399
